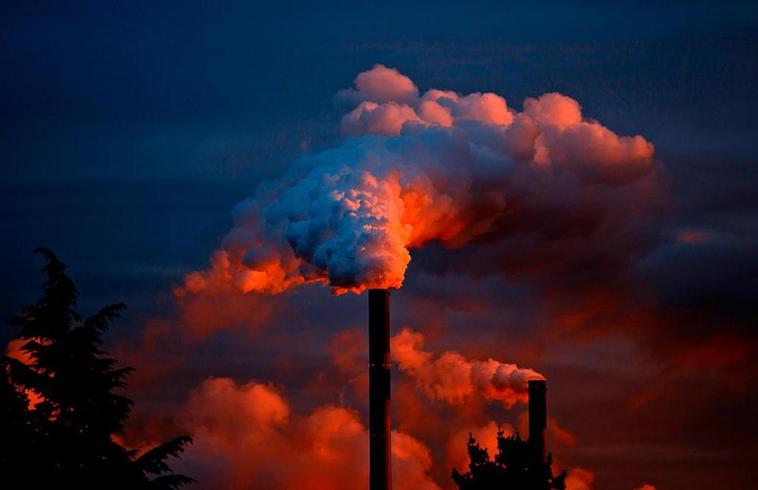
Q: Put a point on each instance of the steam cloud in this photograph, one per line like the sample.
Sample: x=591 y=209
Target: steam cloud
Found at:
x=247 y=436
x=453 y=378
x=579 y=479
x=413 y=169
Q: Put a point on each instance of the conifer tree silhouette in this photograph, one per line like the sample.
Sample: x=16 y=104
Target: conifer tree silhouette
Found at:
x=512 y=468
x=66 y=439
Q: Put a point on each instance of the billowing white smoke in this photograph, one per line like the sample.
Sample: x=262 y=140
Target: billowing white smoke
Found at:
x=413 y=169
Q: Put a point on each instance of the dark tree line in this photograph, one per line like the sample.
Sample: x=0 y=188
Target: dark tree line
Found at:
x=513 y=468
x=66 y=440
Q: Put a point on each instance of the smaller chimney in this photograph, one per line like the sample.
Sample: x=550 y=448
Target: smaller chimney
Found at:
x=538 y=419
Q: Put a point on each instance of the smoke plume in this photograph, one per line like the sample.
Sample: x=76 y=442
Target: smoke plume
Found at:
x=413 y=169
x=453 y=378
x=248 y=436
x=579 y=479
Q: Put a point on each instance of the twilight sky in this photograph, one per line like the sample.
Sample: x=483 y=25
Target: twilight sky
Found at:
x=129 y=132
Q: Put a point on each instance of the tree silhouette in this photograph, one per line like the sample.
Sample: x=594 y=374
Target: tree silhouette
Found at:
x=513 y=468
x=66 y=438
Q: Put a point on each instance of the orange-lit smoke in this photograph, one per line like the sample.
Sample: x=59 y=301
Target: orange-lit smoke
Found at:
x=413 y=169
x=452 y=378
x=247 y=436
x=579 y=479
x=347 y=351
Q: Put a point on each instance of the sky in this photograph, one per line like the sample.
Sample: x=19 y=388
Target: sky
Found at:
x=131 y=131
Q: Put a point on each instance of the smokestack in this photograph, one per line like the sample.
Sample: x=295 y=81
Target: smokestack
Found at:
x=538 y=419
x=379 y=389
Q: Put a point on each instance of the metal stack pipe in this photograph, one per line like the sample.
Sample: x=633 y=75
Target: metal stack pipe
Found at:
x=538 y=419
x=380 y=469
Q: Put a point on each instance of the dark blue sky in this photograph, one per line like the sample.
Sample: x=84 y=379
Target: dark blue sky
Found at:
x=137 y=89
x=128 y=130
x=124 y=124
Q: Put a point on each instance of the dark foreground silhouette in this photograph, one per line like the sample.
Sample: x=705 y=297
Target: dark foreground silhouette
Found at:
x=65 y=440
x=514 y=467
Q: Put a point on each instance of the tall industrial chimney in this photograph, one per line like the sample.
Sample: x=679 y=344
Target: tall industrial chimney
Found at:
x=380 y=477
x=537 y=419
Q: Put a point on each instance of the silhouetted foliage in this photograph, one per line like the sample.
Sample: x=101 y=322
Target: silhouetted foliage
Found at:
x=65 y=439
x=512 y=468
